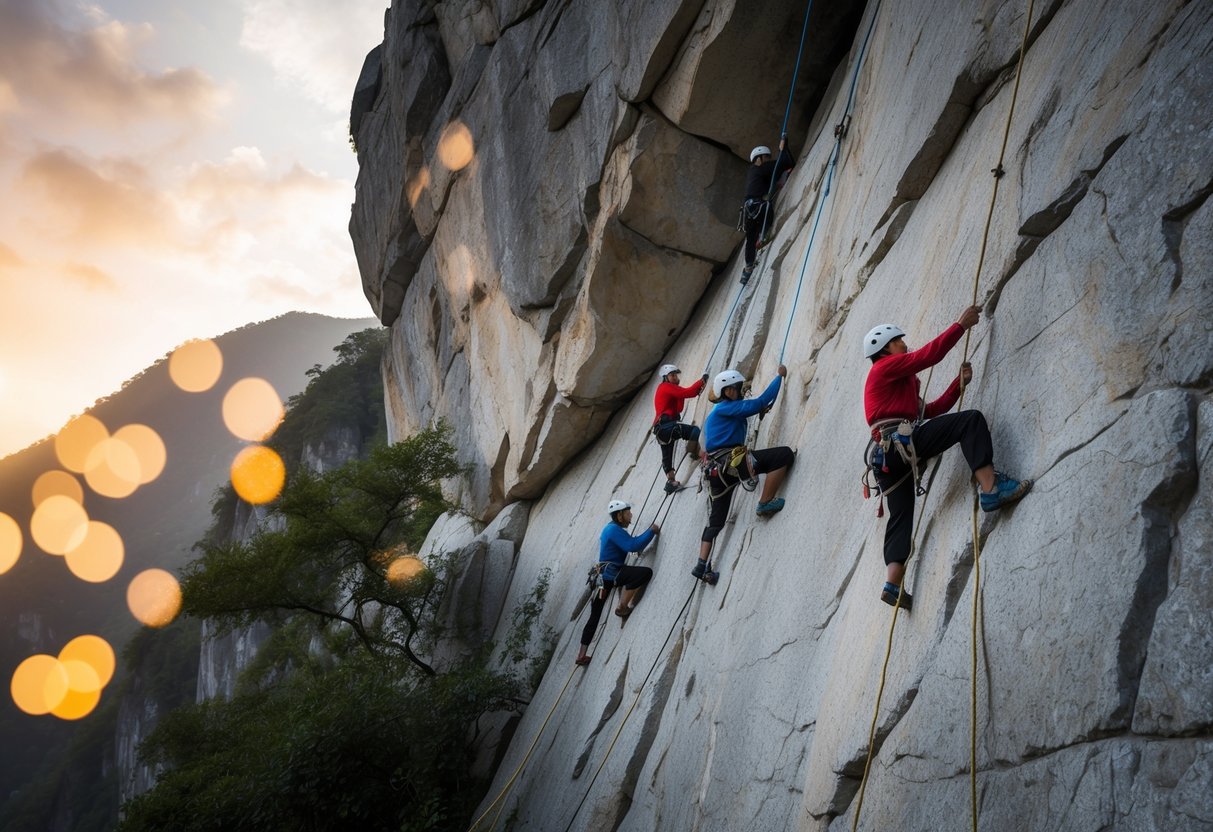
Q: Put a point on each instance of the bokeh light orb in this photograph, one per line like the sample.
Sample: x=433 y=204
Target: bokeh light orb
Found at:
x=196 y=366
x=75 y=442
x=51 y=483
x=154 y=598
x=112 y=469
x=93 y=651
x=258 y=474
x=416 y=186
x=455 y=146
x=81 y=677
x=39 y=684
x=252 y=409
x=11 y=542
x=99 y=556
x=148 y=448
x=76 y=704
x=59 y=524
x=403 y=569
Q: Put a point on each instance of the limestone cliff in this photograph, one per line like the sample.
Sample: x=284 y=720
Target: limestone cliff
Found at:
x=588 y=238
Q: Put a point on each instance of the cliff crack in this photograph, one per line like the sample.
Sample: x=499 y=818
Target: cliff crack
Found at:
x=612 y=705
x=1037 y=227
x=1174 y=223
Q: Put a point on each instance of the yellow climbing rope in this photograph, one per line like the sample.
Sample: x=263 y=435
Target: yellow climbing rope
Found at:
x=998 y=173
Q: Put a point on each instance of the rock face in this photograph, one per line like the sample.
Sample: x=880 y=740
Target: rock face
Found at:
x=589 y=239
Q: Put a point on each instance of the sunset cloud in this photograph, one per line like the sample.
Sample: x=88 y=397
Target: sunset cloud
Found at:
x=9 y=259
x=108 y=202
x=91 y=277
x=315 y=44
x=91 y=73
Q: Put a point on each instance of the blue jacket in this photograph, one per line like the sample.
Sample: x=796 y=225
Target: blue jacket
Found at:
x=725 y=425
x=614 y=545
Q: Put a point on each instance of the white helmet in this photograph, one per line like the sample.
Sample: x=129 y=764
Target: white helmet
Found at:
x=666 y=369
x=878 y=338
x=726 y=379
x=617 y=505
x=761 y=150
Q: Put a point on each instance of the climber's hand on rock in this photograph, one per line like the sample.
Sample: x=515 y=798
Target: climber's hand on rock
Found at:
x=969 y=318
x=966 y=373
x=783 y=371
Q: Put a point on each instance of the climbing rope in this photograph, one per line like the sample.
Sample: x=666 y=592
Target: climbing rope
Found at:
x=631 y=708
x=840 y=133
x=998 y=173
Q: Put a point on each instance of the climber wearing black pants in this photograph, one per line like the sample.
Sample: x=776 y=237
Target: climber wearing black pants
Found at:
x=614 y=544
x=764 y=178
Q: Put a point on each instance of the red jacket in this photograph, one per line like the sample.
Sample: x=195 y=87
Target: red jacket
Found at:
x=669 y=398
x=892 y=388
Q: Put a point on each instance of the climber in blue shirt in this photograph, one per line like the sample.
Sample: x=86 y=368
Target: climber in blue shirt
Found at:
x=614 y=545
x=732 y=464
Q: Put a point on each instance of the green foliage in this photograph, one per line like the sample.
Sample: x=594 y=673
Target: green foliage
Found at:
x=340 y=722
x=348 y=394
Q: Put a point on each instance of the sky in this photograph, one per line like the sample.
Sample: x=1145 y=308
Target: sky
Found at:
x=169 y=170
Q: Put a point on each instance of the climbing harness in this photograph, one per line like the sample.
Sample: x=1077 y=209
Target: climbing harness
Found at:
x=997 y=172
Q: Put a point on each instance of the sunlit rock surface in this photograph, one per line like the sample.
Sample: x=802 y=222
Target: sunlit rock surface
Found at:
x=589 y=239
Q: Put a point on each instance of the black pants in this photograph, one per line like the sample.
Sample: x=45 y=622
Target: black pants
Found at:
x=754 y=225
x=668 y=433
x=931 y=438
x=721 y=488
x=629 y=577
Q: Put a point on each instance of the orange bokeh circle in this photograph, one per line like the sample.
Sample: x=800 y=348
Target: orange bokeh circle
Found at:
x=196 y=366
x=11 y=542
x=76 y=441
x=154 y=598
x=99 y=556
x=258 y=474
x=39 y=684
x=59 y=523
x=148 y=448
x=51 y=483
x=93 y=651
x=252 y=409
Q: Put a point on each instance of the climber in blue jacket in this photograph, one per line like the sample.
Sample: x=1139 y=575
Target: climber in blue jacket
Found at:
x=730 y=463
x=614 y=545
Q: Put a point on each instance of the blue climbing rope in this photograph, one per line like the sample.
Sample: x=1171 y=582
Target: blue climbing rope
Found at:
x=840 y=134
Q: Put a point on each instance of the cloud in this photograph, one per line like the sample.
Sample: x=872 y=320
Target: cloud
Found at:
x=317 y=44
x=91 y=277
x=90 y=73
x=9 y=259
x=108 y=202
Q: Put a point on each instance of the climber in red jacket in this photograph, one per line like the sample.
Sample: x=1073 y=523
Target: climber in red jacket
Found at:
x=906 y=432
x=666 y=427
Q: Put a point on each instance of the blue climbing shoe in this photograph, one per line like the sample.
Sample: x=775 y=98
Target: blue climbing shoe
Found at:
x=889 y=596
x=745 y=274
x=770 y=507
x=1006 y=491
x=702 y=573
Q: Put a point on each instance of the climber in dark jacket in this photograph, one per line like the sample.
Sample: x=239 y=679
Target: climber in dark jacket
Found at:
x=763 y=180
x=614 y=544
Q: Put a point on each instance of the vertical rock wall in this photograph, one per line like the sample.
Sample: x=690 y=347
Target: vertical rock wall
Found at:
x=541 y=302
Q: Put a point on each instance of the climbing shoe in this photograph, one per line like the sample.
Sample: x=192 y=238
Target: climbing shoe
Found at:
x=745 y=274
x=623 y=612
x=582 y=661
x=702 y=572
x=889 y=596
x=673 y=486
x=1006 y=491
x=770 y=507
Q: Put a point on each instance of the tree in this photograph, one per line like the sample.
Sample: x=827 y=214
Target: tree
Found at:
x=342 y=720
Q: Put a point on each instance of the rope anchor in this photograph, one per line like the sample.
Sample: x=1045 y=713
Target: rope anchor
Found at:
x=843 y=127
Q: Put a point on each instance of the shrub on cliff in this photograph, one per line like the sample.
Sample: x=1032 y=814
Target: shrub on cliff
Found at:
x=342 y=720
